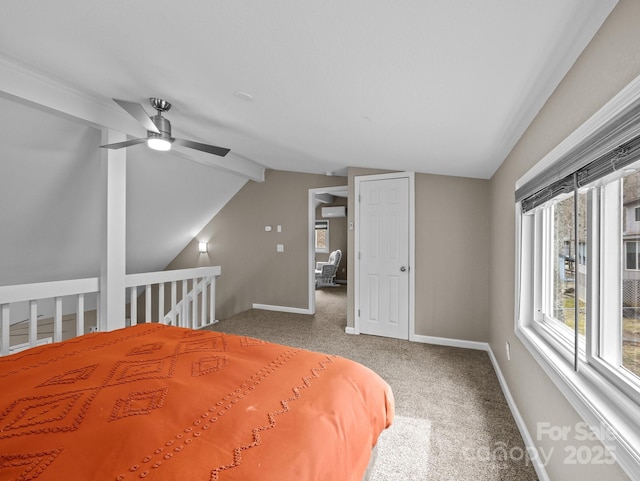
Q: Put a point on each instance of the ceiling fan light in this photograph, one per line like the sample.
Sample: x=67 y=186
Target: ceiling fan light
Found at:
x=159 y=144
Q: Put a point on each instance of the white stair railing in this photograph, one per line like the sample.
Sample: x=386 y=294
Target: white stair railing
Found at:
x=33 y=314
x=29 y=299
x=184 y=297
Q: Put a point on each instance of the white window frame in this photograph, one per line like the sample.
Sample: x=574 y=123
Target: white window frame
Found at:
x=601 y=395
x=324 y=249
x=637 y=253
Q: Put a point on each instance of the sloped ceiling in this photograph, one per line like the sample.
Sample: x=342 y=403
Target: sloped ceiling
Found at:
x=52 y=203
x=436 y=86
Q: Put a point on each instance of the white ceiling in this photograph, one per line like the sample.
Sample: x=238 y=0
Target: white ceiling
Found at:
x=51 y=203
x=436 y=86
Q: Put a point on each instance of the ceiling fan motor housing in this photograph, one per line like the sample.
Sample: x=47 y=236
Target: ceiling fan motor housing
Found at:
x=164 y=126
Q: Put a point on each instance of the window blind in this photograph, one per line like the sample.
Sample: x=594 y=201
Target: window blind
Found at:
x=608 y=147
x=612 y=161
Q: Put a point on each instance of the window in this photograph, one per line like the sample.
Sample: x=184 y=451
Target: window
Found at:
x=563 y=289
x=322 y=236
x=631 y=251
x=578 y=292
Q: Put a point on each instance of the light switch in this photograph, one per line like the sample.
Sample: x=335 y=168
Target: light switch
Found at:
x=279 y=229
x=280 y=248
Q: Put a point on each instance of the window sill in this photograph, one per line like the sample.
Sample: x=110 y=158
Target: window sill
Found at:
x=614 y=417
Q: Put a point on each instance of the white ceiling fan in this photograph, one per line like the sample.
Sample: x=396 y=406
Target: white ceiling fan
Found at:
x=159 y=129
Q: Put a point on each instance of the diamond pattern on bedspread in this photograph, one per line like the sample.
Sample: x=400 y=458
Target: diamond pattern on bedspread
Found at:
x=168 y=403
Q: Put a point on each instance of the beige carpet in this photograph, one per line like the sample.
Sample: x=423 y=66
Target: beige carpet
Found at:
x=453 y=391
x=403 y=451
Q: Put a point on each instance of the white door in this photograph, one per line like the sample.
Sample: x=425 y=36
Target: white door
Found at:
x=384 y=258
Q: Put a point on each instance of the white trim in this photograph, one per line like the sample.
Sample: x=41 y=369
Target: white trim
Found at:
x=293 y=310
x=446 y=341
x=145 y=278
x=311 y=206
x=537 y=462
x=36 y=89
x=350 y=330
x=530 y=446
x=326 y=248
x=210 y=323
x=587 y=392
x=615 y=417
x=114 y=234
x=625 y=100
x=43 y=290
x=412 y=246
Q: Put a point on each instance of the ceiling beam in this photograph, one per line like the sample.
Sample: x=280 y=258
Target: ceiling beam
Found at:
x=33 y=88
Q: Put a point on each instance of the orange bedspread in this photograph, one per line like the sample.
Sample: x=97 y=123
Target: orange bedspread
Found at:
x=164 y=403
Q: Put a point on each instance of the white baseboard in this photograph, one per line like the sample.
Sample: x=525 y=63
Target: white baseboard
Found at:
x=445 y=341
x=293 y=310
x=484 y=346
x=440 y=341
x=526 y=435
x=215 y=321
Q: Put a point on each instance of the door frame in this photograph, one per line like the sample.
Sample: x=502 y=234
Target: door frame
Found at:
x=412 y=251
x=310 y=242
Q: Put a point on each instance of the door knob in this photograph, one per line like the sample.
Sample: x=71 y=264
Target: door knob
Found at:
x=403 y=268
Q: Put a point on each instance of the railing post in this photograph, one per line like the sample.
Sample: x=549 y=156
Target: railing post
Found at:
x=80 y=315
x=212 y=300
x=194 y=305
x=147 y=304
x=57 y=320
x=113 y=260
x=184 y=315
x=33 y=323
x=203 y=299
x=5 y=312
x=133 y=306
x=174 y=301
x=161 y=302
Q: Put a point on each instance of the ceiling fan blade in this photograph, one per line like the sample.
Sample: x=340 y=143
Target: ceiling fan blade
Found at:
x=211 y=149
x=138 y=113
x=126 y=143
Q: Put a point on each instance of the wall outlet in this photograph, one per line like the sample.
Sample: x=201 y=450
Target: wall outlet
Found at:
x=93 y=328
x=508 y=348
x=280 y=248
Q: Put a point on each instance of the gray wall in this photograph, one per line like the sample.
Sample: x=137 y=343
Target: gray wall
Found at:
x=452 y=250
x=252 y=270
x=608 y=64
x=465 y=256
x=452 y=256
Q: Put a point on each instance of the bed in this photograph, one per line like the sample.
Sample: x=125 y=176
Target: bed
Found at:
x=156 y=402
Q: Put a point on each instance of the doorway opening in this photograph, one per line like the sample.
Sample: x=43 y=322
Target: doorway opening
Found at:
x=327 y=244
